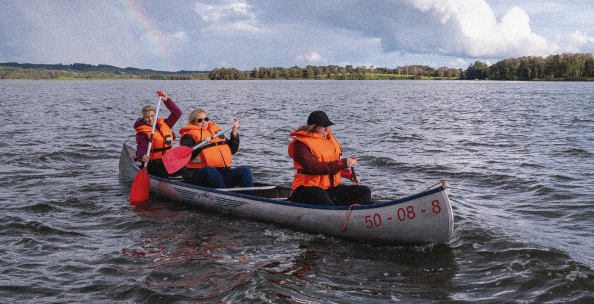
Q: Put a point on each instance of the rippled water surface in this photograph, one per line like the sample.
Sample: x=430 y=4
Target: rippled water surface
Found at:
x=518 y=158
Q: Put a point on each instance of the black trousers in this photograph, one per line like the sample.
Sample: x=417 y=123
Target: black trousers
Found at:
x=340 y=195
x=156 y=167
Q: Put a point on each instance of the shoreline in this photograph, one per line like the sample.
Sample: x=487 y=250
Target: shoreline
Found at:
x=580 y=79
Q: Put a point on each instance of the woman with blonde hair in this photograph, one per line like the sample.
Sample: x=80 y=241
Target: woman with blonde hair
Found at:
x=209 y=165
x=162 y=138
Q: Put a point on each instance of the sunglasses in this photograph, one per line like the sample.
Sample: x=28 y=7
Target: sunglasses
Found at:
x=199 y=120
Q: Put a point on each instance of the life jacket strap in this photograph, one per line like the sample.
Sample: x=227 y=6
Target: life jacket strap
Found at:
x=213 y=144
x=331 y=175
x=305 y=172
x=332 y=178
x=160 y=149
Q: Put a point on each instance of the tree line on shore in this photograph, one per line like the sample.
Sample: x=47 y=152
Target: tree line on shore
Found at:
x=555 y=67
x=13 y=70
x=575 y=66
x=335 y=72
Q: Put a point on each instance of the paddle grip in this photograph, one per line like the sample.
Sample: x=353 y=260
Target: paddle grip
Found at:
x=354 y=174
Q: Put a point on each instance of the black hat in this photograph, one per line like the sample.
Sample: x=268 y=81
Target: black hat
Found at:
x=319 y=118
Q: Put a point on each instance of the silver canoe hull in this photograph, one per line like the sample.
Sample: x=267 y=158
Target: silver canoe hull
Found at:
x=424 y=218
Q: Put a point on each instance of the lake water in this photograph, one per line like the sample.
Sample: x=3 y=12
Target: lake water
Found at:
x=518 y=159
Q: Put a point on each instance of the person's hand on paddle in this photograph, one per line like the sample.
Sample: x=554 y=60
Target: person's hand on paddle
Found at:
x=351 y=162
x=235 y=127
x=163 y=95
x=145 y=158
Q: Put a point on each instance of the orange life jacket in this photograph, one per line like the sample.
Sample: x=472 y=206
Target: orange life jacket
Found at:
x=215 y=154
x=162 y=138
x=325 y=150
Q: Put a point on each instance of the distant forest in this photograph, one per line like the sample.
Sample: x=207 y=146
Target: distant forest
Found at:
x=337 y=73
x=555 y=67
x=13 y=70
x=573 y=67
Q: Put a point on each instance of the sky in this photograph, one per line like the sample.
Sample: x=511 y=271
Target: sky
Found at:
x=199 y=35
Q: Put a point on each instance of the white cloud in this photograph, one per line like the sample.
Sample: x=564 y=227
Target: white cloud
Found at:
x=455 y=28
x=313 y=57
x=472 y=30
x=576 y=42
x=222 y=11
x=459 y=28
x=229 y=19
x=179 y=35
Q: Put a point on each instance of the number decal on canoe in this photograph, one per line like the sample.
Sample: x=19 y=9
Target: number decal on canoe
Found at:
x=402 y=213
x=377 y=221
x=409 y=212
x=436 y=207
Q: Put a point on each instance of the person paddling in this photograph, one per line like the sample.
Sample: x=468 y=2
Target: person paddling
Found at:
x=316 y=156
x=162 y=138
x=209 y=165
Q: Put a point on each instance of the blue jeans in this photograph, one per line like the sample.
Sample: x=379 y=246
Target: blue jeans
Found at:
x=223 y=177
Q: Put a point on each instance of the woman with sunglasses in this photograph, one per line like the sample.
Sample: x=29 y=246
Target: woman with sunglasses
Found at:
x=162 y=138
x=210 y=164
x=317 y=156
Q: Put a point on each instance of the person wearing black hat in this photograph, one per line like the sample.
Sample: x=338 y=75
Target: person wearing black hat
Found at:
x=317 y=156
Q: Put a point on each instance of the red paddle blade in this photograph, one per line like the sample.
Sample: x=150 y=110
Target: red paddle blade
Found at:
x=177 y=158
x=140 y=187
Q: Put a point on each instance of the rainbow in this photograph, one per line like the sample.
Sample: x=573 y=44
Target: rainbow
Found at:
x=149 y=31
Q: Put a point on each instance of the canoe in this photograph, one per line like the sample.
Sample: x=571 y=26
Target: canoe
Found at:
x=423 y=218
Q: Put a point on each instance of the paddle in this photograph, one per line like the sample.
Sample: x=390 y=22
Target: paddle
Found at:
x=178 y=157
x=142 y=181
x=354 y=174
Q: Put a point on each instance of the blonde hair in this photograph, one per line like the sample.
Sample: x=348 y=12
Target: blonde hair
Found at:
x=307 y=128
x=148 y=108
x=192 y=116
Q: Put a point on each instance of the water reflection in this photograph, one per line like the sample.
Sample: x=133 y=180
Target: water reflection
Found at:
x=339 y=269
x=209 y=254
